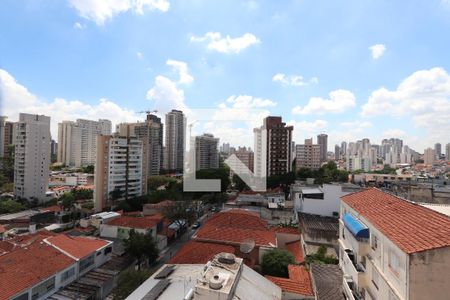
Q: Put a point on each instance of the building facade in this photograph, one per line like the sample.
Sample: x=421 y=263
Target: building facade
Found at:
x=77 y=141
x=175 y=140
x=119 y=171
x=392 y=249
x=206 y=152
x=6 y=136
x=308 y=155
x=273 y=147
x=32 y=156
x=429 y=156
x=322 y=140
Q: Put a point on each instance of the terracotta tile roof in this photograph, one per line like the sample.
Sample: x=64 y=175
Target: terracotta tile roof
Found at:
x=76 y=246
x=412 y=227
x=54 y=208
x=135 y=222
x=2 y=228
x=199 y=253
x=27 y=266
x=223 y=234
x=238 y=218
x=299 y=281
x=164 y=203
x=296 y=250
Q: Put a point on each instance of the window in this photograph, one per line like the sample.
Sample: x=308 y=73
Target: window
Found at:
x=375 y=277
x=374 y=242
x=107 y=250
x=21 y=297
x=394 y=263
x=43 y=288
x=67 y=274
x=87 y=262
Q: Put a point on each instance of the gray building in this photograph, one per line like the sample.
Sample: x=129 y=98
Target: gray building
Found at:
x=175 y=140
x=322 y=140
x=206 y=152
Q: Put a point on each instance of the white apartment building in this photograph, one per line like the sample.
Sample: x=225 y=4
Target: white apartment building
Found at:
x=32 y=156
x=358 y=162
x=206 y=152
x=390 y=248
x=175 y=140
x=118 y=169
x=77 y=141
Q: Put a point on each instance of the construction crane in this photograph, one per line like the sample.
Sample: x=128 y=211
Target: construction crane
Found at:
x=147 y=112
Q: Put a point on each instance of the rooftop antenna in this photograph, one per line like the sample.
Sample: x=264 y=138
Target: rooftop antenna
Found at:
x=147 y=112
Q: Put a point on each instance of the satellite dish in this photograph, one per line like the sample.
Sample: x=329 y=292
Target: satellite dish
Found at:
x=247 y=246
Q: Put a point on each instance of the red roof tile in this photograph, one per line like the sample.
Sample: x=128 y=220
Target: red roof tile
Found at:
x=288 y=230
x=27 y=266
x=238 y=218
x=299 y=281
x=54 y=208
x=76 y=246
x=199 y=253
x=413 y=228
x=136 y=222
x=296 y=250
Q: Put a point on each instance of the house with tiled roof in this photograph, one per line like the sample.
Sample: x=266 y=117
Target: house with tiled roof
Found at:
x=391 y=248
x=297 y=286
x=38 y=265
x=244 y=230
x=194 y=252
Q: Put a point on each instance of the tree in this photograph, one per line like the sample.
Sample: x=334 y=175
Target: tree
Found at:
x=88 y=169
x=179 y=213
x=154 y=182
x=276 y=261
x=10 y=206
x=67 y=200
x=239 y=184
x=320 y=257
x=129 y=281
x=82 y=194
x=141 y=246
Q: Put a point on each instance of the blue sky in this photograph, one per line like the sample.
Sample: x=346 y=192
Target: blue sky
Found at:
x=351 y=69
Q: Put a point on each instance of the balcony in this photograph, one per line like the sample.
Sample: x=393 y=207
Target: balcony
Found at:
x=353 y=269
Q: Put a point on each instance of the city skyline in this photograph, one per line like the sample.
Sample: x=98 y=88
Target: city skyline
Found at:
x=332 y=77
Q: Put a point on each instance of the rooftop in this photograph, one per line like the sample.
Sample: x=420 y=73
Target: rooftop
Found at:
x=76 y=246
x=199 y=253
x=136 y=222
x=319 y=223
x=327 y=281
x=299 y=281
x=28 y=265
x=296 y=250
x=412 y=227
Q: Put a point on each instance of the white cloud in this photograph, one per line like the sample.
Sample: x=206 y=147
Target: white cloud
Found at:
x=100 y=11
x=377 y=50
x=394 y=133
x=166 y=95
x=357 y=124
x=226 y=44
x=305 y=129
x=182 y=69
x=295 y=80
x=140 y=55
x=248 y=102
x=424 y=96
x=340 y=101
x=15 y=98
x=79 y=26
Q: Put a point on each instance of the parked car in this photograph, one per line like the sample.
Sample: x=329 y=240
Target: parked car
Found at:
x=196 y=225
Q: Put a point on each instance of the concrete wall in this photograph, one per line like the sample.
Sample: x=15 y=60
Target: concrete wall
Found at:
x=429 y=276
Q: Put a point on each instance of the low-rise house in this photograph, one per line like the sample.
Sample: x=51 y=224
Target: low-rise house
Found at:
x=391 y=248
x=98 y=219
x=297 y=286
x=224 y=277
x=327 y=281
x=37 y=265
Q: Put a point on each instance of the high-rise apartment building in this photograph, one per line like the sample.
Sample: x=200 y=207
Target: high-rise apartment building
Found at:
x=175 y=140
x=307 y=155
x=2 y=135
x=77 y=141
x=438 y=150
x=206 y=152
x=447 y=152
x=322 y=140
x=119 y=171
x=32 y=156
x=150 y=133
x=273 y=147
x=429 y=156
x=344 y=148
x=337 y=152
x=245 y=155
x=6 y=136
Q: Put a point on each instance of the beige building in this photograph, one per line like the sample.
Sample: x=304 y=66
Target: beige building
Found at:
x=32 y=156
x=119 y=173
x=429 y=156
x=307 y=155
x=390 y=248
